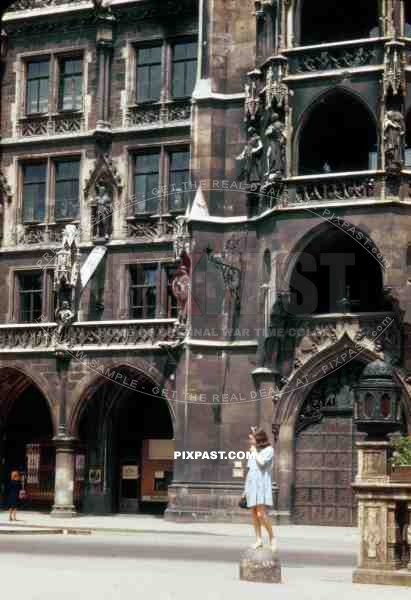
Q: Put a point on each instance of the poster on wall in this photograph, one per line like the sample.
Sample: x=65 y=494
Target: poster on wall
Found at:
x=80 y=467
x=33 y=463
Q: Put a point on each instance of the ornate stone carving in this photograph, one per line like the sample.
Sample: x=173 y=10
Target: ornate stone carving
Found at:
x=394 y=72
x=276 y=92
x=182 y=237
x=104 y=211
x=51 y=125
x=325 y=60
x=64 y=316
x=67 y=266
x=372 y=532
x=68 y=124
x=394 y=132
x=142 y=116
x=104 y=171
x=164 y=112
x=251 y=158
x=335 y=189
x=252 y=96
x=27 y=235
x=34 y=126
x=43 y=337
x=276 y=139
x=151 y=231
x=336 y=392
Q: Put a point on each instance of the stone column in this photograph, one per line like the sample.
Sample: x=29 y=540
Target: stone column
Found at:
x=65 y=446
x=104 y=51
x=64 y=478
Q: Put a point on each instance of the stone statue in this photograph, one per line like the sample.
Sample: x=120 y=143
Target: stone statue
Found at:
x=251 y=157
x=67 y=262
x=180 y=287
x=104 y=211
x=275 y=152
x=64 y=316
x=394 y=131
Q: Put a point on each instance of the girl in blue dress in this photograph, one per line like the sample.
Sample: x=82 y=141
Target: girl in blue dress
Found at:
x=258 y=484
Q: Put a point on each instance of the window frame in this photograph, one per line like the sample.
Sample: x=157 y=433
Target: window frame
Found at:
x=154 y=43
x=23 y=165
x=164 y=150
x=50 y=188
x=133 y=307
x=46 y=275
x=164 y=304
x=60 y=58
x=55 y=59
x=173 y=42
x=53 y=196
x=33 y=59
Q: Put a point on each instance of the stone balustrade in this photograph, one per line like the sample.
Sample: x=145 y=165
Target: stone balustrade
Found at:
x=88 y=335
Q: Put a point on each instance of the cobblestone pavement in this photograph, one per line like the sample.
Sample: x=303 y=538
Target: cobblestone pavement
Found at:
x=168 y=561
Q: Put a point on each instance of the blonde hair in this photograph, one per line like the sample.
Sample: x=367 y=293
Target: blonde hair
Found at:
x=15 y=476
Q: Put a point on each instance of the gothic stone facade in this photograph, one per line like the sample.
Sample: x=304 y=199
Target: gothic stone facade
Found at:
x=284 y=132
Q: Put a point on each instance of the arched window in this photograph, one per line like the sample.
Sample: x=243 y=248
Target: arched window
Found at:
x=337 y=274
x=335 y=21
x=339 y=135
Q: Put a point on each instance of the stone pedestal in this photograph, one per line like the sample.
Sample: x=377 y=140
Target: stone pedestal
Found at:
x=64 y=480
x=261 y=565
x=384 y=516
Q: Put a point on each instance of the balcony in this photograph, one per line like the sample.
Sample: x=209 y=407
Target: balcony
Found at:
x=157 y=114
x=39 y=234
x=351 y=55
x=88 y=336
x=65 y=123
x=334 y=187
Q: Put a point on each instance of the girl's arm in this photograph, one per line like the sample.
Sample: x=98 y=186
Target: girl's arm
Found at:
x=264 y=457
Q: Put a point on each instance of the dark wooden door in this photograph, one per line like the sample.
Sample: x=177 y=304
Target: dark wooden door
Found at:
x=325 y=469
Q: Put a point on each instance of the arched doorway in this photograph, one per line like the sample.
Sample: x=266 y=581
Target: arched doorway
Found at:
x=26 y=438
x=126 y=433
x=336 y=273
x=325 y=452
x=338 y=135
x=325 y=463
x=336 y=21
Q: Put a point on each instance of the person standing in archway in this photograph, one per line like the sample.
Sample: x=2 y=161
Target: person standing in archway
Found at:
x=13 y=495
x=258 y=485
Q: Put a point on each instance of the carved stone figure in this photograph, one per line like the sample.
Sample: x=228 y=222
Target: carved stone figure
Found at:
x=64 y=316
x=275 y=152
x=104 y=211
x=180 y=287
x=67 y=259
x=372 y=533
x=394 y=131
x=252 y=101
x=251 y=157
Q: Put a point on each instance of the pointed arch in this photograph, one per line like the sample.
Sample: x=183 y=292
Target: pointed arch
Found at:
x=337 y=114
x=144 y=373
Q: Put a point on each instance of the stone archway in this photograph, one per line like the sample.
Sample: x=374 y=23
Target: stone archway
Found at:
x=121 y=421
x=290 y=404
x=26 y=436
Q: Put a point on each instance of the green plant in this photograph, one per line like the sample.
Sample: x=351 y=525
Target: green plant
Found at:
x=402 y=452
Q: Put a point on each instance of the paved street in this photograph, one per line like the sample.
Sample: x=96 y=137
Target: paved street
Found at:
x=169 y=561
